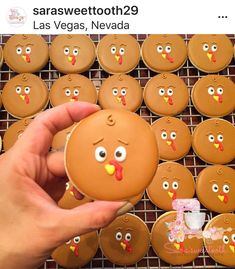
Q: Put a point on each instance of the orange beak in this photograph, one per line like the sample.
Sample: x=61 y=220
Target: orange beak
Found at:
x=223 y=197
x=211 y=56
x=72 y=59
x=26 y=58
x=172 y=194
x=232 y=247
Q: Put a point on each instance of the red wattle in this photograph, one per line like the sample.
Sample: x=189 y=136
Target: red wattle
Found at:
x=118 y=169
x=213 y=57
x=129 y=248
x=75 y=98
x=170 y=101
x=123 y=100
x=220 y=99
x=120 y=59
x=73 y=60
x=173 y=145
x=169 y=58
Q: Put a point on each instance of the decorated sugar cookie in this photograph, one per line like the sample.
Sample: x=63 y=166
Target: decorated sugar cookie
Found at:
x=210 y=53
x=118 y=53
x=1 y=57
x=125 y=241
x=213 y=141
x=107 y=147
x=26 y=53
x=166 y=95
x=60 y=139
x=72 y=53
x=25 y=95
x=71 y=88
x=164 y=53
x=78 y=251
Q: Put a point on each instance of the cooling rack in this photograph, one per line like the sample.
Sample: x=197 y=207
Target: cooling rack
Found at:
x=144 y=209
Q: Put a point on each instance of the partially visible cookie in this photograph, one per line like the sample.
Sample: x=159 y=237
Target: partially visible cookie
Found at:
x=1 y=56
x=60 y=139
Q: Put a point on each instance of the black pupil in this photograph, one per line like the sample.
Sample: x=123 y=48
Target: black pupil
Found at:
x=165 y=184
x=216 y=187
x=118 y=154
x=102 y=154
x=226 y=188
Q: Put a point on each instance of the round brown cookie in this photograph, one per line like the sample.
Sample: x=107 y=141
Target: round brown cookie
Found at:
x=118 y=53
x=213 y=141
x=25 y=95
x=121 y=91
x=173 y=250
x=117 y=150
x=214 y=96
x=173 y=138
x=126 y=240
x=59 y=140
x=215 y=187
x=136 y=199
x=72 y=87
x=210 y=53
x=171 y=181
x=26 y=53
x=72 y=53
x=78 y=251
x=14 y=132
x=166 y=95
x=164 y=53
x=219 y=239
x=1 y=56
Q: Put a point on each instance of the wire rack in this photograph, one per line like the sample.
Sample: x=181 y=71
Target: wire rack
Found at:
x=144 y=209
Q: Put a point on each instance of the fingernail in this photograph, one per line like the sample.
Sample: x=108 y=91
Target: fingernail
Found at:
x=125 y=208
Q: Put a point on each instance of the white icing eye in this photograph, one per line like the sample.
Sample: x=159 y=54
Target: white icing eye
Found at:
x=75 y=52
x=233 y=237
x=128 y=237
x=225 y=239
x=76 y=92
x=18 y=90
x=66 y=51
x=68 y=242
x=18 y=50
x=211 y=90
x=211 y=138
x=220 y=91
x=226 y=188
x=215 y=188
x=165 y=185
x=159 y=49
x=28 y=50
x=76 y=239
x=27 y=90
x=170 y=238
x=170 y=92
x=120 y=154
x=161 y=91
x=67 y=92
x=205 y=47
x=220 y=138
x=168 y=49
x=175 y=185
x=123 y=92
x=118 y=236
x=67 y=186
x=173 y=135
x=100 y=154
x=113 y=50
x=115 y=92
x=121 y=51
x=164 y=135
x=214 y=47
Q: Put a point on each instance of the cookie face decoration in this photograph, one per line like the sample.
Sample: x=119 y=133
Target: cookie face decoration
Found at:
x=171 y=181
x=118 y=53
x=164 y=53
x=72 y=53
x=214 y=96
x=210 y=53
x=26 y=53
x=219 y=239
x=126 y=240
x=215 y=185
x=25 y=95
x=71 y=88
x=120 y=91
x=77 y=252
x=213 y=141
x=111 y=155
x=166 y=95
x=169 y=132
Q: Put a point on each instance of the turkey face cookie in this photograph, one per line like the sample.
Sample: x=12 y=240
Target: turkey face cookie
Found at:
x=215 y=187
x=25 y=95
x=182 y=249
x=173 y=138
x=71 y=88
x=125 y=241
x=77 y=252
x=59 y=140
x=118 y=53
x=121 y=91
x=171 y=181
x=14 y=132
x=214 y=96
x=210 y=53
x=1 y=57
x=164 y=53
x=26 y=53
x=106 y=147
x=213 y=141
x=72 y=53
x=166 y=95
x=219 y=239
